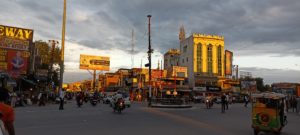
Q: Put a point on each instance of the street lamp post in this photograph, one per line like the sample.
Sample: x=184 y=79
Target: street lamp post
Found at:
x=63 y=45
x=150 y=51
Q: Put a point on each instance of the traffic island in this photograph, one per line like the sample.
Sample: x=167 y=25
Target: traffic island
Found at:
x=170 y=103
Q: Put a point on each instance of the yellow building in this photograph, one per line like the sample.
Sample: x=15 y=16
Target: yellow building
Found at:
x=204 y=56
x=171 y=58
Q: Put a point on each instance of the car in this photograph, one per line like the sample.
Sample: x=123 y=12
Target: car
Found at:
x=107 y=99
x=197 y=99
x=218 y=100
x=127 y=102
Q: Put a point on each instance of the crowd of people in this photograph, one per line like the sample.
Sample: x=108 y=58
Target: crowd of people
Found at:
x=293 y=103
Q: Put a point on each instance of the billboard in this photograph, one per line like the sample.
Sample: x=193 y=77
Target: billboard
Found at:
x=249 y=86
x=94 y=62
x=228 y=62
x=14 y=49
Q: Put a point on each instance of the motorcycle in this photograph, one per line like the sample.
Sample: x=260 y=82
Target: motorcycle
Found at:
x=119 y=106
x=208 y=103
x=79 y=101
x=94 y=101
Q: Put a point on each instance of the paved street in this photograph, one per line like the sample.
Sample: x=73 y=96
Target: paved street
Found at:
x=139 y=120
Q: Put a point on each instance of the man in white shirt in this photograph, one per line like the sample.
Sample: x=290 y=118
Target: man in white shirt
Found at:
x=227 y=101
x=61 y=97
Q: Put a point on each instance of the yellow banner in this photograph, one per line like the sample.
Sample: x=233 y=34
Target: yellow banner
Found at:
x=16 y=33
x=94 y=62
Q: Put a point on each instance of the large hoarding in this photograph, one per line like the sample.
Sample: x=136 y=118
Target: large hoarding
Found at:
x=94 y=62
x=298 y=91
x=14 y=49
x=249 y=86
x=228 y=62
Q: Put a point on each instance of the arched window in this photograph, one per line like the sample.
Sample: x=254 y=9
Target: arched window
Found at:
x=220 y=60
x=199 y=57
x=209 y=60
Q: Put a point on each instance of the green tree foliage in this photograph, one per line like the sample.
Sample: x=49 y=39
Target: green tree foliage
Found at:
x=260 y=84
x=45 y=52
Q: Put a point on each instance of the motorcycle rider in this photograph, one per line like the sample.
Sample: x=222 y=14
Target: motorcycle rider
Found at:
x=208 y=101
x=79 y=98
x=96 y=95
x=116 y=98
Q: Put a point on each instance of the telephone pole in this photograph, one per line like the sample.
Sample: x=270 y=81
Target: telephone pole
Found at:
x=150 y=51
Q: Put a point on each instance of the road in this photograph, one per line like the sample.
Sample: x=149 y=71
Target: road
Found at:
x=139 y=119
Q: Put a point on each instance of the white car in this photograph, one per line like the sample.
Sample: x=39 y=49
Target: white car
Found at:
x=107 y=99
x=127 y=102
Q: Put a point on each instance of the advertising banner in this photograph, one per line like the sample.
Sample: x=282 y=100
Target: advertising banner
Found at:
x=228 y=62
x=14 y=49
x=17 y=62
x=249 y=86
x=94 y=62
x=298 y=91
x=15 y=38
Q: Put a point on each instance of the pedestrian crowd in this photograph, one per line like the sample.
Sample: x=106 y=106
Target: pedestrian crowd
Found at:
x=293 y=103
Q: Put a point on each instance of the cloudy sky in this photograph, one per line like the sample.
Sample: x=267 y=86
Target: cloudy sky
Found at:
x=264 y=35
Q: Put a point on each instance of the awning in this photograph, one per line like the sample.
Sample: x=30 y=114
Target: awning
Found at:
x=184 y=90
x=31 y=82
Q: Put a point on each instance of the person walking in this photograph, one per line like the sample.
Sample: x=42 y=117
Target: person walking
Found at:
x=226 y=101
x=246 y=100
x=6 y=112
x=294 y=104
x=298 y=105
x=223 y=102
x=13 y=99
x=287 y=101
x=61 y=97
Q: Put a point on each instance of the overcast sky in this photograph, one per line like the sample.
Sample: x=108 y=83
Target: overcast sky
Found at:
x=264 y=35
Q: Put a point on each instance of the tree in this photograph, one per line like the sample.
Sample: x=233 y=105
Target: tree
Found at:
x=45 y=53
x=268 y=87
x=260 y=84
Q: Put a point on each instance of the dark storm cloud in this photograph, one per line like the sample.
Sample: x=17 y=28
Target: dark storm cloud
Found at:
x=250 y=27
x=260 y=23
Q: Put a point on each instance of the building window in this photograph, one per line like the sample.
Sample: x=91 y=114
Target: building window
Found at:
x=182 y=60
x=219 y=60
x=199 y=58
x=209 y=60
x=184 y=49
x=187 y=59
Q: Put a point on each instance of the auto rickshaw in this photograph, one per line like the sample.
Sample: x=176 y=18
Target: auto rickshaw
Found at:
x=268 y=112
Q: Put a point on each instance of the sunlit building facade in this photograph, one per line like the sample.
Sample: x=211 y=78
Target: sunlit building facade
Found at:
x=203 y=55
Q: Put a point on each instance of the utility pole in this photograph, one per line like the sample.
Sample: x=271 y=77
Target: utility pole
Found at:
x=50 y=71
x=237 y=72
x=94 y=81
x=150 y=51
x=63 y=45
x=132 y=49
